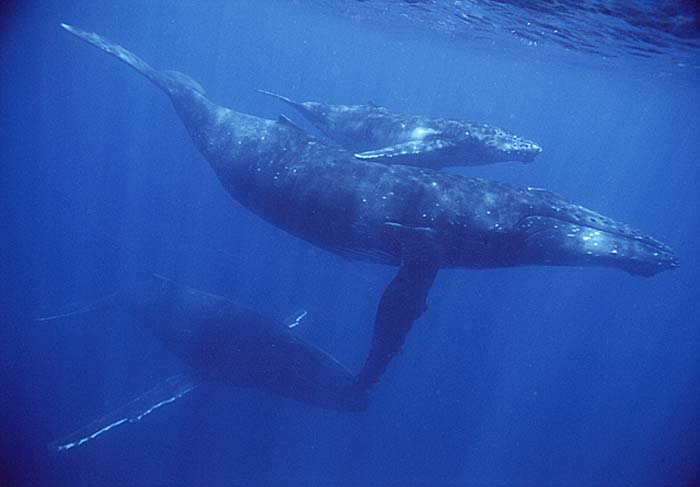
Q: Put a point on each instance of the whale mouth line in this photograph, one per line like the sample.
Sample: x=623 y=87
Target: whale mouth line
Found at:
x=600 y=224
x=630 y=250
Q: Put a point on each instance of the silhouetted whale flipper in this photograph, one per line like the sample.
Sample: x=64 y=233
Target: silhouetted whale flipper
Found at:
x=168 y=391
x=403 y=300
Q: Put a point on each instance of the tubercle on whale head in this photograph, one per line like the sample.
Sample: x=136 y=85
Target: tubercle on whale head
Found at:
x=552 y=241
x=516 y=148
x=499 y=145
x=528 y=153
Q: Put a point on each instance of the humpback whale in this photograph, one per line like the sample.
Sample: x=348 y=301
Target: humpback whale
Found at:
x=373 y=132
x=415 y=218
x=220 y=341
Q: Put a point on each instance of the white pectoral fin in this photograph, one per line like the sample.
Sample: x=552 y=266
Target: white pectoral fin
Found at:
x=405 y=149
x=164 y=393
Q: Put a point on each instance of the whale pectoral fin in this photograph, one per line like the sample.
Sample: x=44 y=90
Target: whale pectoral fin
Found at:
x=164 y=393
x=405 y=150
x=403 y=301
x=282 y=120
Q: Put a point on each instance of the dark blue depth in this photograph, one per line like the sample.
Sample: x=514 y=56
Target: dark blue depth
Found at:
x=526 y=376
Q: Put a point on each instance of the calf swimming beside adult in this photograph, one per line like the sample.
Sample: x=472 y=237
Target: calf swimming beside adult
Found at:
x=416 y=218
x=376 y=134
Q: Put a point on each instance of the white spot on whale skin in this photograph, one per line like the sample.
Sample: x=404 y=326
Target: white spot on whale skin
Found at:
x=419 y=133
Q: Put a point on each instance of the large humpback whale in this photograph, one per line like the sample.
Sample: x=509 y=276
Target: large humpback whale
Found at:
x=221 y=341
x=415 y=218
x=374 y=133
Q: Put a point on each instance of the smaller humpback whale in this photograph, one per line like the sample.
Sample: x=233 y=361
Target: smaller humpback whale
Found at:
x=220 y=341
x=374 y=133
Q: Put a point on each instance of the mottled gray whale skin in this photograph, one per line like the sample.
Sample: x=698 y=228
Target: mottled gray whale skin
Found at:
x=374 y=133
x=415 y=218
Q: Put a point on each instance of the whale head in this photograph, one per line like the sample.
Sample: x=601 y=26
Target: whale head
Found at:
x=492 y=144
x=551 y=241
x=560 y=233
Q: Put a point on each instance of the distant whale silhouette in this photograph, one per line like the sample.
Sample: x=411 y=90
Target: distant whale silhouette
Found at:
x=221 y=341
x=415 y=218
x=375 y=133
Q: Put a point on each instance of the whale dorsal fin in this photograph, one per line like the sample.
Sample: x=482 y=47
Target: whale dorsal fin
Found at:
x=282 y=120
x=405 y=149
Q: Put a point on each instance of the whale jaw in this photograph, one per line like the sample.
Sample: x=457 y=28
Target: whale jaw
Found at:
x=551 y=241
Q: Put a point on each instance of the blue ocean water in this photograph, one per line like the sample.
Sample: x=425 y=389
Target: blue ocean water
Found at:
x=524 y=376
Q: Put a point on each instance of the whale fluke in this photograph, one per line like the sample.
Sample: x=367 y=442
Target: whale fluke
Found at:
x=166 y=80
x=117 y=51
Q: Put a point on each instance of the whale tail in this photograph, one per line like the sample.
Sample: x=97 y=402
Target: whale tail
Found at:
x=169 y=81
